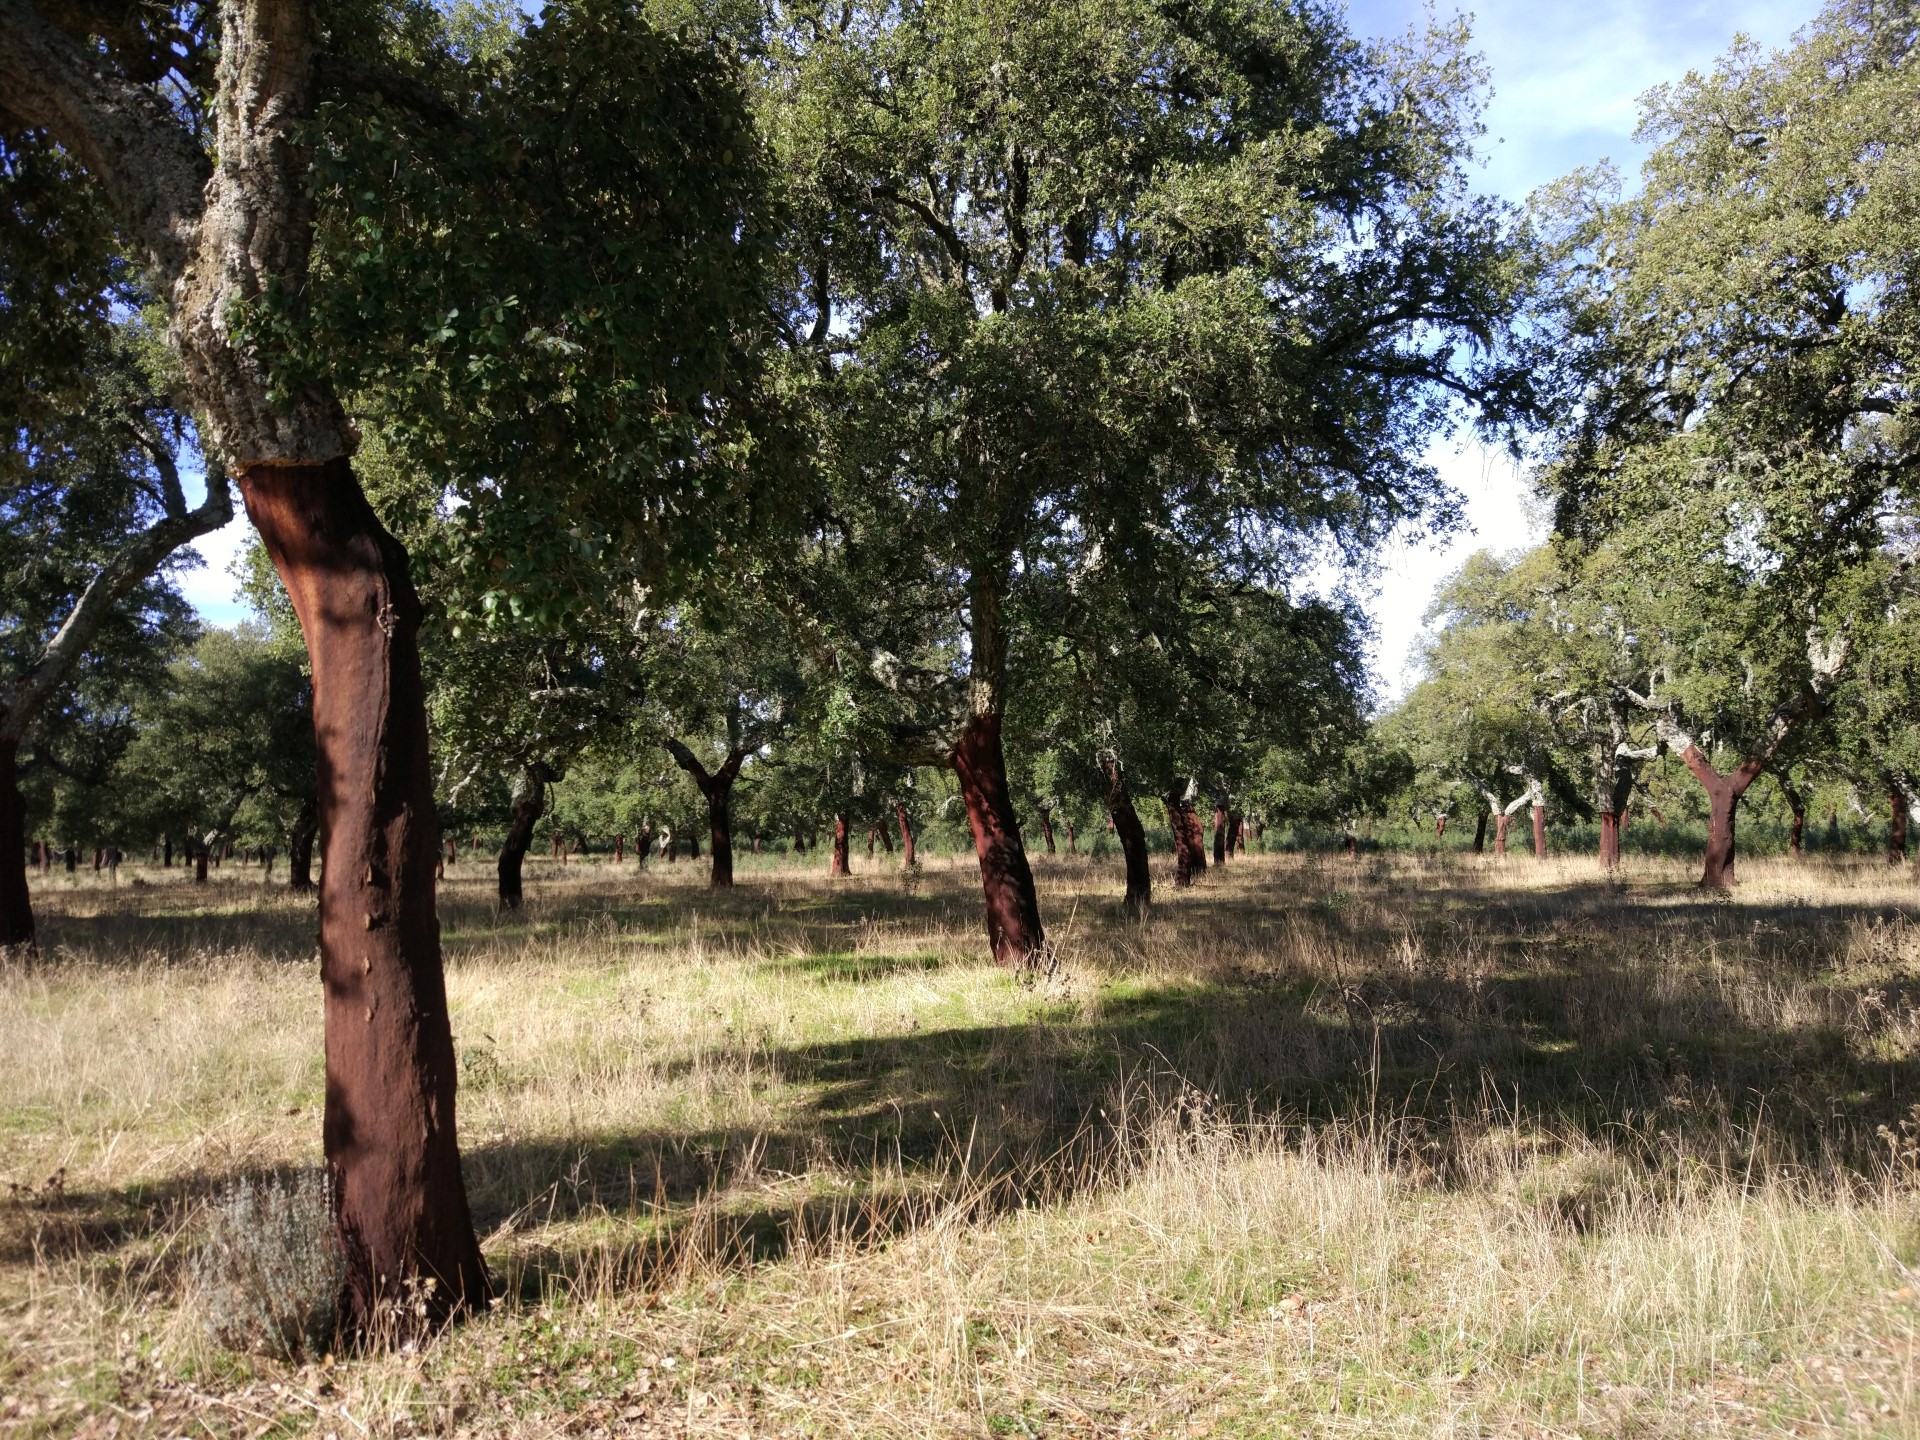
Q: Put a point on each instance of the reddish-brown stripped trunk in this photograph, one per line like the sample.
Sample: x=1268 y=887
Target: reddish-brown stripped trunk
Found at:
x=1480 y=833
x=1219 y=835
x=16 y=903
x=1013 y=906
x=306 y=825
x=1125 y=821
x=1500 y=823
x=1539 y=832
x=1796 y=833
x=717 y=787
x=1046 y=829
x=1073 y=847
x=1189 y=841
x=1609 y=839
x=1440 y=825
x=838 y=865
x=619 y=848
x=907 y=858
x=1723 y=811
x=528 y=801
x=389 y=1130
x=1896 y=828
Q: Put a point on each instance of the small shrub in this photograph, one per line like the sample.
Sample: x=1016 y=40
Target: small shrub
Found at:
x=270 y=1269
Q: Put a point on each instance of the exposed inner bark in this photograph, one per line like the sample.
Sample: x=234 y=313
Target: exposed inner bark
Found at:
x=1480 y=833
x=1219 y=835
x=839 y=864
x=1500 y=823
x=306 y=825
x=717 y=786
x=1046 y=828
x=16 y=904
x=1609 y=839
x=529 y=802
x=1539 y=832
x=1189 y=842
x=1896 y=828
x=907 y=857
x=1133 y=839
x=1723 y=811
x=1013 y=906
x=389 y=1126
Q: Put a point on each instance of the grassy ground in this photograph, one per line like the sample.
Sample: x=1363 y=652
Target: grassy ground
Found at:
x=1399 y=1146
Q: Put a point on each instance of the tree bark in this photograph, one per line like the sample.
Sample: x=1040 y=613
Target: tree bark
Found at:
x=306 y=825
x=717 y=787
x=201 y=853
x=166 y=860
x=1073 y=841
x=528 y=803
x=907 y=857
x=1539 y=832
x=16 y=903
x=389 y=1127
x=1189 y=842
x=1480 y=833
x=1896 y=828
x=1723 y=812
x=1609 y=839
x=1219 y=835
x=838 y=864
x=1133 y=839
x=1500 y=823
x=1046 y=829
x=1013 y=905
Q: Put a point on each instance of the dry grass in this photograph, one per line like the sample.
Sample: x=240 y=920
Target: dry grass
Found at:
x=1410 y=1145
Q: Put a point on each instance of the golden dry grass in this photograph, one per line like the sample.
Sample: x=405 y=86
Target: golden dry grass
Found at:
x=1417 y=1145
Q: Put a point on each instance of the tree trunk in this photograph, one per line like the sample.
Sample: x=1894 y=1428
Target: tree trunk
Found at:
x=693 y=844
x=16 y=903
x=1189 y=843
x=1480 y=833
x=886 y=837
x=306 y=825
x=1609 y=840
x=1723 y=799
x=201 y=854
x=717 y=787
x=1133 y=839
x=838 y=864
x=1796 y=833
x=1896 y=828
x=166 y=861
x=1539 y=832
x=1013 y=906
x=1046 y=829
x=1500 y=823
x=619 y=848
x=1219 y=835
x=389 y=1128
x=528 y=803
x=907 y=858
x=1236 y=833
x=1440 y=825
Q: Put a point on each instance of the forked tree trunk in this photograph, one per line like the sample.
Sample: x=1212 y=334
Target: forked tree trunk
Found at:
x=528 y=803
x=838 y=864
x=1539 y=832
x=16 y=903
x=1013 y=905
x=907 y=857
x=717 y=787
x=1189 y=842
x=1723 y=812
x=1133 y=839
x=1896 y=828
x=1480 y=833
x=389 y=1128
x=306 y=825
x=1046 y=829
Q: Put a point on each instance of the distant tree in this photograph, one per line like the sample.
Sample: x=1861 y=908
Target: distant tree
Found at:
x=93 y=512
x=1062 y=269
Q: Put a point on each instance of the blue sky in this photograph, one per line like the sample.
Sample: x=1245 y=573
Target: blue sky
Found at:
x=1566 y=77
